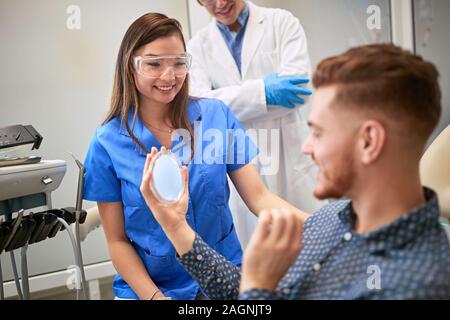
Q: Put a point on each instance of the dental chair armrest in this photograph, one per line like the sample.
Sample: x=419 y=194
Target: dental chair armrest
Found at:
x=434 y=170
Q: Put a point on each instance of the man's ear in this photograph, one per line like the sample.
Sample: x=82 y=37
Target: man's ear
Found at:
x=372 y=141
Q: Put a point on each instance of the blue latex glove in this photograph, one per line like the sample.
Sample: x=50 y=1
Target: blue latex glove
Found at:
x=283 y=91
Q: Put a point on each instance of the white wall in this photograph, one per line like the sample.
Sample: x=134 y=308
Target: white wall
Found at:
x=198 y=16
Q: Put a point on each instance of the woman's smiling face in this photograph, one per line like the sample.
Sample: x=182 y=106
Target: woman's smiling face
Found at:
x=160 y=90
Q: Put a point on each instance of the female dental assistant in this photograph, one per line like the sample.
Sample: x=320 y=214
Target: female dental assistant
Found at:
x=150 y=100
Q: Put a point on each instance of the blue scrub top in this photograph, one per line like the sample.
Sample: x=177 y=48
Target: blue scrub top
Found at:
x=114 y=165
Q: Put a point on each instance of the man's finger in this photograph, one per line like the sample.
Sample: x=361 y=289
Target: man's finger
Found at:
x=263 y=227
x=185 y=174
x=148 y=160
x=150 y=157
x=278 y=227
x=293 y=229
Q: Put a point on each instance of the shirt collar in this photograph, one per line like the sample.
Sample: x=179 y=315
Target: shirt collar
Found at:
x=242 y=19
x=405 y=229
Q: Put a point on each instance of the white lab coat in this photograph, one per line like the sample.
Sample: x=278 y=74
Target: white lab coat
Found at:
x=274 y=41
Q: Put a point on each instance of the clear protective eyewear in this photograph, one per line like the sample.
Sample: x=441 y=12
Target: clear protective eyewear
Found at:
x=156 y=66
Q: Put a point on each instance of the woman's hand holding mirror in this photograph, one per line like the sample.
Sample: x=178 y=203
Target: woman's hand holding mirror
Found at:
x=164 y=187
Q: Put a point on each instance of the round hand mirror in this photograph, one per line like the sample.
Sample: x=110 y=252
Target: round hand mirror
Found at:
x=167 y=182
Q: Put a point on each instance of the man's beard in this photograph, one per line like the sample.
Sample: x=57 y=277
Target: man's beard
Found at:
x=336 y=181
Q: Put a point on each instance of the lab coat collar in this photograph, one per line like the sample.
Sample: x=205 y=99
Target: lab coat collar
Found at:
x=253 y=36
x=222 y=54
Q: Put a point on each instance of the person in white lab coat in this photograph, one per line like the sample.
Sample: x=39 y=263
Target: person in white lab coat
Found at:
x=253 y=59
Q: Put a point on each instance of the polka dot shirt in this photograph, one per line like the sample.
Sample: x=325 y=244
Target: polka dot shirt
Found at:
x=408 y=259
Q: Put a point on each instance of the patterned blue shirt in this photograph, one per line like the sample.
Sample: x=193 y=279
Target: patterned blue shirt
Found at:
x=407 y=259
x=234 y=39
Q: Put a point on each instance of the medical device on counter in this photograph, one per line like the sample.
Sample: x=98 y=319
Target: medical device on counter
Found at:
x=26 y=212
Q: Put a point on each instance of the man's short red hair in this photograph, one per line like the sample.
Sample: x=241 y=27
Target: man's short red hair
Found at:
x=389 y=80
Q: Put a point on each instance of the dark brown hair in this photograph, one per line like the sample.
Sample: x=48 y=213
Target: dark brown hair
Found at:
x=125 y=97
x=388 y=79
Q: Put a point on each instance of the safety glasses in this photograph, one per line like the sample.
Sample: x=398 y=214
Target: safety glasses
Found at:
x=156 y=66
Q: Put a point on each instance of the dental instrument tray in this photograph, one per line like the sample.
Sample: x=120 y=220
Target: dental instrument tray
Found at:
x=17 y=136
